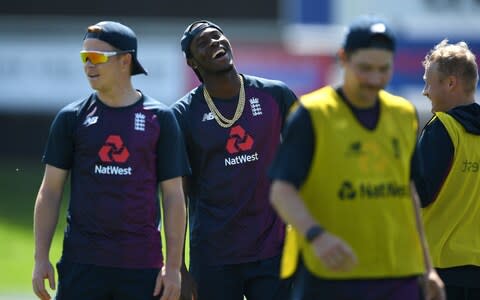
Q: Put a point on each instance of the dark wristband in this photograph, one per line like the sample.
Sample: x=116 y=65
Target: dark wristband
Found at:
x=313 y=232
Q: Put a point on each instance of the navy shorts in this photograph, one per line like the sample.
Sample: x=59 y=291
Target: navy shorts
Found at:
x=307 y=286
x=256 y=280
x=462 y=293
x=81 y=281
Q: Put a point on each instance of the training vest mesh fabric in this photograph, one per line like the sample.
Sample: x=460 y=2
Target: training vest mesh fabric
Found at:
x=358 y=188
x=451 y=221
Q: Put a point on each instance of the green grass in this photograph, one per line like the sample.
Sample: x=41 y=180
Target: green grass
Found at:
x=20 y=180
x=17 y=259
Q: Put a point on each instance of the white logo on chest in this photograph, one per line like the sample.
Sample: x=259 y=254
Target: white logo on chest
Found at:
x=139 y=123
x=90 y=120
x=207 y=117
x=255 y=106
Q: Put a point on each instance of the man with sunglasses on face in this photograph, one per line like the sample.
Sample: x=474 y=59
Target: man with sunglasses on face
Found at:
x=119 y=147
x=231 y=124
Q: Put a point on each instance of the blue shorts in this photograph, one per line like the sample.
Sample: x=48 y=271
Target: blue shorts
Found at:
x=462 y=293
x=256 y=280
x=307 y=287
x=81 y=281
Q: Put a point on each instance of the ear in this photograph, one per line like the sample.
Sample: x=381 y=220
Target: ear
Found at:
x=192 y=63
x=127 y=61
x=452 y=81
x=342 y=56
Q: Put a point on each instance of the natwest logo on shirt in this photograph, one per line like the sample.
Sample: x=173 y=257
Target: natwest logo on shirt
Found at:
x=113 y=151
x=239 y=141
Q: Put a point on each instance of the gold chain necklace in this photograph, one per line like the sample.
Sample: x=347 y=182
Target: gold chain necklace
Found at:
x=221 y=120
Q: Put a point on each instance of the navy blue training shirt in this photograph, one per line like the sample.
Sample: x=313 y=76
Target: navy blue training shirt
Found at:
x=231 y=219
x=116 y=158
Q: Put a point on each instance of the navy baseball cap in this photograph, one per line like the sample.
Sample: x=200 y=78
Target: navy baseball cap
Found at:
x=191 y=32
x=369 y=32
x=120 y=37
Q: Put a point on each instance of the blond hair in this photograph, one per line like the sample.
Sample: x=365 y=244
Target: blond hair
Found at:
x=454 y=60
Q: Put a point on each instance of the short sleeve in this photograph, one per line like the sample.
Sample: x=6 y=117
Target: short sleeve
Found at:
x=172 y=155
x=294 y=155
x=59 y=149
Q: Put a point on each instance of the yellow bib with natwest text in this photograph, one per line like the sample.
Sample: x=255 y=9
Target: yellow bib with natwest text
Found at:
x=358 y=188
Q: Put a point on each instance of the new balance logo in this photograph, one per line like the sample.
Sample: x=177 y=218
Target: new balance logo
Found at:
x=355 y=148
x=207 y=117
x=255 y=106
x=139 y=122
x=90 y=120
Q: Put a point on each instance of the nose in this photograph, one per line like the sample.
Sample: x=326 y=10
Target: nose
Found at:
x=376 y=79
x=425 y=91
x=88 y=64
x=215 y=42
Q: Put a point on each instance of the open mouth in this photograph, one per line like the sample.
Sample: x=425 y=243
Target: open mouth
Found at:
x=218 y=54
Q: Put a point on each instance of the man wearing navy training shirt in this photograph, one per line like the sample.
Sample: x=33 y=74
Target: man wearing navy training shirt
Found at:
x=118 y=145
x=232 y=124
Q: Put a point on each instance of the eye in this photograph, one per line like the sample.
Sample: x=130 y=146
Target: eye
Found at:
x=364 y=68
x=385 y=69
x=201 y=42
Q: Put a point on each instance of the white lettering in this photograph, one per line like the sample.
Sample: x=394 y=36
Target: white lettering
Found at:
x=241 y=159
x=208 y=116
x=112 y=170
